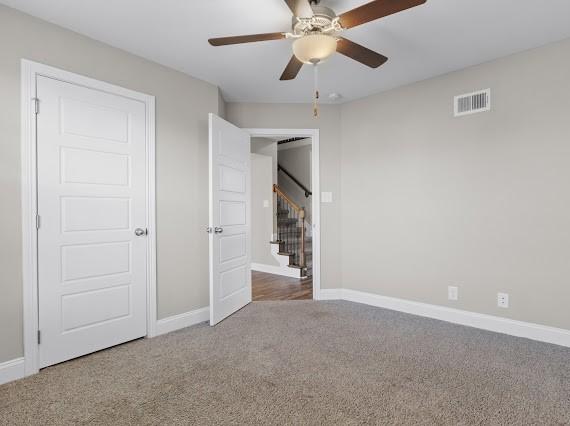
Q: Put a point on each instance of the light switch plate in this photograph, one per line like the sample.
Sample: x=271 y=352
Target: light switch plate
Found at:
x=452 y=293
x=326 y=197
x=265 y=203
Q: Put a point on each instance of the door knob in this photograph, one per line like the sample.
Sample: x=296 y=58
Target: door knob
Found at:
x=139 y=232
x=218 y=230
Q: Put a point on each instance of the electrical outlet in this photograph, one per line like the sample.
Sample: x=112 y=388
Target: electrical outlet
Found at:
x=503 y=300
x=452 y=293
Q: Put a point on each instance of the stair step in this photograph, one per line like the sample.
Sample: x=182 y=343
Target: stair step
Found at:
x=296 y=267
x=297 y=241
x=285 y=253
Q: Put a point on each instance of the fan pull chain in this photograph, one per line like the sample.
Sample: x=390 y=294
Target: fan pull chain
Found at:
x=316 y=98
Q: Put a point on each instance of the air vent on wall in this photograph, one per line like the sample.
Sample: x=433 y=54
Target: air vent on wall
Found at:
x=470 y=103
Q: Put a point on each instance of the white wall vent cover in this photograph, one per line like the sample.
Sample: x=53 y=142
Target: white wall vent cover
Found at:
x=470 y=103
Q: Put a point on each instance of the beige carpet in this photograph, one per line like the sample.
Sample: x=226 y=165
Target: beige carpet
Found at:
x=305 y=363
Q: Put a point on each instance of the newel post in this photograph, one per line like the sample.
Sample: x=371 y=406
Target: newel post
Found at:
x=302 y=217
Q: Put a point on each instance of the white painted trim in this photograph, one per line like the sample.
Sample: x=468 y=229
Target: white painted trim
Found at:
x=29 y=72
x=187 y=319
x=314 y=134
x=152 y=301
x=331 y=294
x=276 y=270
x=29 y=211
x=12 y=370
x=541 y=333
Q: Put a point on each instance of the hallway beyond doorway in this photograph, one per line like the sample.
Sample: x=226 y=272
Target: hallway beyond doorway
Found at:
x=276 y=287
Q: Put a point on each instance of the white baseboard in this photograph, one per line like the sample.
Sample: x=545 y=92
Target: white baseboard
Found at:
x=331 y=294
x=276 y=270
x=542 y=333
x=12 y=370
x=187 y=319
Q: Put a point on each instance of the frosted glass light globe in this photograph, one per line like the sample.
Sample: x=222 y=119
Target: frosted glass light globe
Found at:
x=314 y=48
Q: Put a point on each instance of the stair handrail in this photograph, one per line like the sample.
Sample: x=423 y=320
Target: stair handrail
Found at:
x=308 y=192
x=301 y=213
x=279 y=191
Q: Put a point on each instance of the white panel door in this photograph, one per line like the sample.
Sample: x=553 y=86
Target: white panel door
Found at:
x=91 y=198
x=230 y=252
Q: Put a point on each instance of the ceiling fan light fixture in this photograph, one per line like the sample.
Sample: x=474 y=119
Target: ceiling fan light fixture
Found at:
x=314 y=48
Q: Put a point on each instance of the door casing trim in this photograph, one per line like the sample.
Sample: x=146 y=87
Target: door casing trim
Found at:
x=29 y=72
x=316 y=189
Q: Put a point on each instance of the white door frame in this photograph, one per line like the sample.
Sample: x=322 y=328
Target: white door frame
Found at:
x=29 y=71
x=316 y=183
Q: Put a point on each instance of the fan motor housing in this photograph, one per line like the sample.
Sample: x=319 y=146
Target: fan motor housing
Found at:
x=323 y=17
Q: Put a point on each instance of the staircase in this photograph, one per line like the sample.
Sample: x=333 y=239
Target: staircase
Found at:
x=292 y=236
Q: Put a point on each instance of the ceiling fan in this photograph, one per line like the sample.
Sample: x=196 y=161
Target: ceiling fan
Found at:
x=316 y=33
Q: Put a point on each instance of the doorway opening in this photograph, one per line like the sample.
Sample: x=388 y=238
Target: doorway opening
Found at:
x=230 y=216
x=283 y=218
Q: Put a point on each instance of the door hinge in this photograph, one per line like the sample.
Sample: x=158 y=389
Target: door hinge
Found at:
x=36 y=105
x=37 y=221
x=39 y=337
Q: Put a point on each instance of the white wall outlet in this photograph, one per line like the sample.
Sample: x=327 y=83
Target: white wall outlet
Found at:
x=503 y=300
x=326 y=197
x=265 y=203
x=452 y=293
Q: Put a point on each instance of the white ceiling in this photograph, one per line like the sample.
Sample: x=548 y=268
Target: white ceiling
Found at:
x=441 y=36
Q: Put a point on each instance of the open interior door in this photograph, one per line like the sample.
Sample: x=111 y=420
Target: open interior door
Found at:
x=229 y=224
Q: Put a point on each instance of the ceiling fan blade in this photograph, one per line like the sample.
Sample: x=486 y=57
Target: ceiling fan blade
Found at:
x=223 y=41
x=375 y=10
x=300 y=8
x=292 y=69
x=360 y=53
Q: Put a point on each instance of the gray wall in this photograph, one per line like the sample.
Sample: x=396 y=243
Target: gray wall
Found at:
x=261 y=216
x=221 y=105
x=265 y=146
x=268 y=147
x=299 y=116
x=481 y=202
x=297 y=161
x=182 y=105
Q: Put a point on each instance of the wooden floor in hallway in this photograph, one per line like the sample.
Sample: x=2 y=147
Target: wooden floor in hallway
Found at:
x=276 y=287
